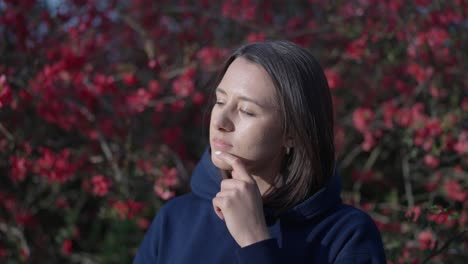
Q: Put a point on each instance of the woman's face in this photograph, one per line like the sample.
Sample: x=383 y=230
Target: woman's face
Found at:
x=246 y=121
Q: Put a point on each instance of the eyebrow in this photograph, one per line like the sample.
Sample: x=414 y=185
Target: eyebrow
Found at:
x=244 y=98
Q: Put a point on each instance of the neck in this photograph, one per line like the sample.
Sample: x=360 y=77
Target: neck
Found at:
x=263 y=185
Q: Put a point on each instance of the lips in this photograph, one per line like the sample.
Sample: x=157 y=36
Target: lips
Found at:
x=220 y=144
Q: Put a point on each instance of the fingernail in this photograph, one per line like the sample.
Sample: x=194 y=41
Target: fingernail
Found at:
x=217 y=152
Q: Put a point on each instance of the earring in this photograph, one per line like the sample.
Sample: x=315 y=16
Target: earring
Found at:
x=288 y=149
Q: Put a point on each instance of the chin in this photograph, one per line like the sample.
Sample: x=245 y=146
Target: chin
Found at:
x=220 y=164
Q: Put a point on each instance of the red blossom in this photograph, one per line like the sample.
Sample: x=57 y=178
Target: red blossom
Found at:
x=100 y=185
x=154 y=88
x=19 y=168
x=369 y=142
x=127 y=209
x=464 y=104
x=170 y=177
x=26 y=219
x=25 y=253
x=363 y=176
x=163 y=192
x=362 y=117
x=426 y=240
x=242 y=10
x=104 y=84
x=256 y=37
x=356 y=48
x=333 y=78
x=198 y=98
x=6 y=95
x=177 y=106
x=403 y=87
x=143 y=223
x=411 y=117
x=136 y=102
x=55 y=167
x=437 y=37
x=184 y=85
x=62 y=203
x=437 y=92
x=67 y=246
x=442 y=217
x=461 y=146
x=211 y=56
x=3 y=252
x=454 y=190
x=389 y=111
x=152 y=64
x=431 y=161
x=129 y=79
x=145 y=166
x=414 y=213
x=433 y=184
x=419 y=73
x=172 y=135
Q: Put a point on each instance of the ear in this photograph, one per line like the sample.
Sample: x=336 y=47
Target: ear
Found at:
x=289 y=142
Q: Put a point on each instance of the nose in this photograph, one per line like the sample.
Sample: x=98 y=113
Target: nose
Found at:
x=222 y=120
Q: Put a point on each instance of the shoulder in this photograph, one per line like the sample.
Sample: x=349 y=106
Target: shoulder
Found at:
x=349 y=222
x=179 y=203
x=354 y=217
x=183 y=207
x=357 y=236
x=188 y=199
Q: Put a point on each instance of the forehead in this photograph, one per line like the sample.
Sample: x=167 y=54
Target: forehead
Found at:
x=249 y=79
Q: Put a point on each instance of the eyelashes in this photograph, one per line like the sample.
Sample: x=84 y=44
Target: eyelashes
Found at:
x=243 y=111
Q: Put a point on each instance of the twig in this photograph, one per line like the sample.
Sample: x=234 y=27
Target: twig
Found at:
x=372 y=158
x=445 y=246
x=18 y=234
x=148 y=44
x=180 y=166
x=407 y=179
x=103 y=143
x=350 y=157
x=108 y=154
x=5 y=132
x=358 y=184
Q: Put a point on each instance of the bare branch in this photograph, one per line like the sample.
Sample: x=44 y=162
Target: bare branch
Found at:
x=18 y=234
x=407 y=178
x=445 y=246
x=6 y=133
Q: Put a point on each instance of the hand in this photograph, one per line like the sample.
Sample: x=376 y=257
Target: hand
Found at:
x=239 y=204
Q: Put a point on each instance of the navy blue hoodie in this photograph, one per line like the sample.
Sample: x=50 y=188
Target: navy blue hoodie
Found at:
x=319 y=230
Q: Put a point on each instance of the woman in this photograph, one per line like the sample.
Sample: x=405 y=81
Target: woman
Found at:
x=266 y=190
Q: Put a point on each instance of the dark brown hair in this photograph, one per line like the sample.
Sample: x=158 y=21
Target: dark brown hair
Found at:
x=306 y=113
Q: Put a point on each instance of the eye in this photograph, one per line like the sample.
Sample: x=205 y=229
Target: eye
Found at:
x=246 y=112
x=219 y=102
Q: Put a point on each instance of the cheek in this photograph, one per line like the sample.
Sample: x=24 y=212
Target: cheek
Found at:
x=260 y=139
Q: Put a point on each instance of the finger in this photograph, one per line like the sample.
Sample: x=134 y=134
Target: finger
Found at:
x=217 y=208
x=238 y=169
x=231 y=184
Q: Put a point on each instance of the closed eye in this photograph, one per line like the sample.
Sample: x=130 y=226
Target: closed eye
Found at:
x=247 y=112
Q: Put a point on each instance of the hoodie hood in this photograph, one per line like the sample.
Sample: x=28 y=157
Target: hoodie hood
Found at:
x=206 y=183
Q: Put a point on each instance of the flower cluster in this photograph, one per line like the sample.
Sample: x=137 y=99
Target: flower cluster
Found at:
x=102 y=108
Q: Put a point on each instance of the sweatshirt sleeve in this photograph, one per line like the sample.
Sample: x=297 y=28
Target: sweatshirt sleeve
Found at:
x=148 y=250
x=262 y=252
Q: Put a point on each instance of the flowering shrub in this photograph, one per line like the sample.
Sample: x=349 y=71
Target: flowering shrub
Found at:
x=102 y=115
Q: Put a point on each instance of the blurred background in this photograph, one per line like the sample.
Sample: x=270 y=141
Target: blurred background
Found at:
x=104 y=107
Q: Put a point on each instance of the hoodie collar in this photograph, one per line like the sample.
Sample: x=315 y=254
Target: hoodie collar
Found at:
x=206 y=183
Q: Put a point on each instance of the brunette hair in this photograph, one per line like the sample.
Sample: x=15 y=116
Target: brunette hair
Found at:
x=306 y=113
